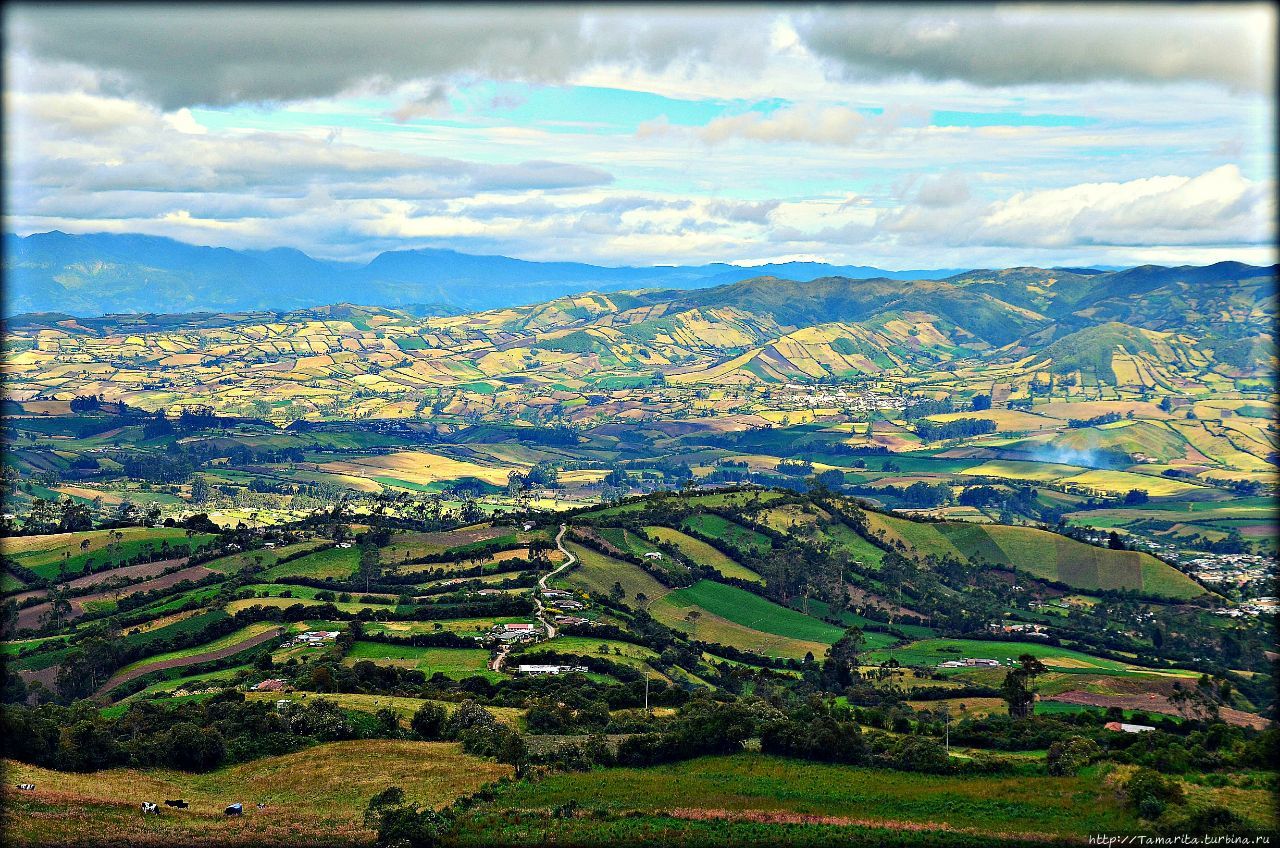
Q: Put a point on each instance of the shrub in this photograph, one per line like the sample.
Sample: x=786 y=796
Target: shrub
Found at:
x=1150 y=792
x=1068 y=756
x=429 y=721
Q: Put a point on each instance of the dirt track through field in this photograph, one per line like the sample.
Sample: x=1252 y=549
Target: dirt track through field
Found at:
x=1157 y=704
x=30 y=616
x=125 y=677
x=194 y=572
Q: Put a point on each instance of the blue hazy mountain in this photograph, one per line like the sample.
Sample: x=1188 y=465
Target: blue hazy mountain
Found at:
x=101 y=273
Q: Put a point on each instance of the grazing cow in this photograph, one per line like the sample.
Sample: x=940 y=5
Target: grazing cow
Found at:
x=233 y=810
x=150 y=809
x=180 y=804
x=262 y=805
x=27 y=787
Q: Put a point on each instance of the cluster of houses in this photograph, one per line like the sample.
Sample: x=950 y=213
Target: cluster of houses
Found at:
x=562 y=599
x=1254 y=606
x=551 y=669
x=970 y=662
x=1239 y=569
x=1019 y=627
x=311 y=639
x=864 y=401
x=518 y=632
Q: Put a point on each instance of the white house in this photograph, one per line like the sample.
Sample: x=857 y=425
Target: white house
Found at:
x=551 y=669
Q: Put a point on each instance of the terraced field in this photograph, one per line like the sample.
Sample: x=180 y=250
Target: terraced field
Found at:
x=229 y=645
x=734 y=535
x=701 y=553
x=598 y=573
x=69 y=553
x=1046 y=555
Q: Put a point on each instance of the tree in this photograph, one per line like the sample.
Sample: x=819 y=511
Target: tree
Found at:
x=370 y=564
x=200 y=491
x=428 y=721
x=616 y=592
x=981 y=402
x=842 y=657
x=1016 y=689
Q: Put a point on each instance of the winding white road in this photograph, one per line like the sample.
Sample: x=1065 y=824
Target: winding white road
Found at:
x=540 y=610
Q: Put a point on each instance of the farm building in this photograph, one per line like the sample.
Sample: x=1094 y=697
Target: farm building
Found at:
x=969 y=662
x=271 y=685
x=1121 y=727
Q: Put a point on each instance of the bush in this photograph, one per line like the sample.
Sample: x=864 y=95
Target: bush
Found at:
x=400 y=823
x=1068 y=756
x=429 y=721
x=1150 y=792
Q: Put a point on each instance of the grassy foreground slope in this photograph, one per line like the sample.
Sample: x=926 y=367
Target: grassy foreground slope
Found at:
x=771 y=793
x=313 y=797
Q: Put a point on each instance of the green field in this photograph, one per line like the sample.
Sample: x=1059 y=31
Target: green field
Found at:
x=930 y=652
x=701 y=553
x=741 y=785
x=49 y=556
x=336 y=563
x=731 y=533
x=598 y=573
x=452 y=662
x=235 y=563
x=749 y=610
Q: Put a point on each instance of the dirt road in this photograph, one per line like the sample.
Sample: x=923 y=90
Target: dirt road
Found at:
x=540 y=609
x=125 y=677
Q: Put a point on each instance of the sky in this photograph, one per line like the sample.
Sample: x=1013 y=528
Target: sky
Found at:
x=902 y=136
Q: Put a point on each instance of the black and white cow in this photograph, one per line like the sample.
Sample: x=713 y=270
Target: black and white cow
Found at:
x=233 y=810
x=27 y=787
x=150 y=809
x=180 y=804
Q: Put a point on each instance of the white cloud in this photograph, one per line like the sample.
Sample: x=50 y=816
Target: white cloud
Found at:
x=1217 y=208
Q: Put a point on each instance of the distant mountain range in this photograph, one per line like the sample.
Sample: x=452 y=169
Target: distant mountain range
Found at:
x=86 y=275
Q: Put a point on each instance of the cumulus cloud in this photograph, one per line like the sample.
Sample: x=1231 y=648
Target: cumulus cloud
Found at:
x=1216 y=207
x=1018 y=45
x=1219 y=207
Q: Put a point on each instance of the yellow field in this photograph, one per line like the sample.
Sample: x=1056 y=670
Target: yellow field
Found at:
x=1006 y=420
x=420 y=467
x=1119 y=482
x=1093 y=408
x=1015 y=470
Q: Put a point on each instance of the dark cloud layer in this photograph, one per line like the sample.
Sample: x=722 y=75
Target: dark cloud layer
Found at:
x=210 y=55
